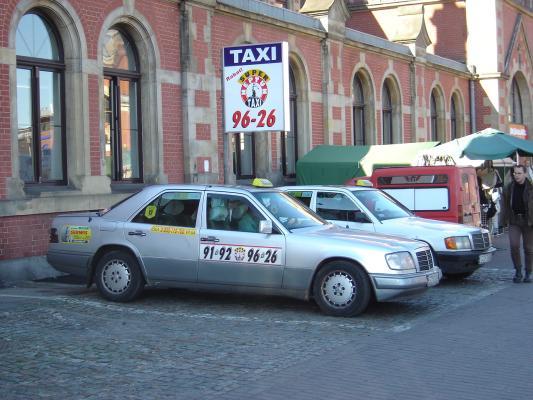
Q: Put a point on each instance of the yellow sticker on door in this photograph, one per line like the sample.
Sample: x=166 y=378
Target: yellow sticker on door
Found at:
x=172 y=230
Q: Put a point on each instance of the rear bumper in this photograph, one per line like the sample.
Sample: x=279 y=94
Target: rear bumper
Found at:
x=393 y=286
x=463 y=261
x=74 y=264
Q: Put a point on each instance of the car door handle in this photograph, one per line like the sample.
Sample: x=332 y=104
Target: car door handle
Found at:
x=209 y=239
x=137 y=233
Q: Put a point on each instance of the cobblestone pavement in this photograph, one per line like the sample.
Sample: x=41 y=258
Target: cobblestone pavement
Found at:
x=64 y=341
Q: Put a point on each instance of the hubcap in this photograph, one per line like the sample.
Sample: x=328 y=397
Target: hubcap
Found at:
x=116 y=276
x=339 y=289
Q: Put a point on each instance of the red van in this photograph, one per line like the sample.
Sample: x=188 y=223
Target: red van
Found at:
x=446 y=193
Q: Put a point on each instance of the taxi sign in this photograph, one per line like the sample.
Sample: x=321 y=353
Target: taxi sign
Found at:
x=363 y=182
x=262 y=182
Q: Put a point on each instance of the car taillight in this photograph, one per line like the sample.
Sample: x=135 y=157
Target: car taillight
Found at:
x=460 y=212
x=53 y=235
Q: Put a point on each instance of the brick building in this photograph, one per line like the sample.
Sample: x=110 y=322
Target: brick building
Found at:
x=99 y=98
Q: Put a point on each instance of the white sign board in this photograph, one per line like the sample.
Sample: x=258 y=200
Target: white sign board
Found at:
x=256 y=87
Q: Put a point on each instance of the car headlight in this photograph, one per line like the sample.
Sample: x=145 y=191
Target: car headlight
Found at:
x=457 y=243
x=400 y=261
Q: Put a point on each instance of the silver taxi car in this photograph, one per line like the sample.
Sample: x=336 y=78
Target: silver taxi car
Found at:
x=236 y=238
x=459 y=249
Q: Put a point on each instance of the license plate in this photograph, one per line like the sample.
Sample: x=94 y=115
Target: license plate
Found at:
x=484 y=258
x=433 y=279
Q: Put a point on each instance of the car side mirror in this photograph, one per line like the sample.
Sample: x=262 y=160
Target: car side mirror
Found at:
x=265 y=226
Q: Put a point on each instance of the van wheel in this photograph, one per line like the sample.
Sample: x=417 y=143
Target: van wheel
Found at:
x=118 y=276
x=342 y=289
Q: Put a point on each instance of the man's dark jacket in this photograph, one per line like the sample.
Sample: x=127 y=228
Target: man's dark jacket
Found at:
x=508 y=216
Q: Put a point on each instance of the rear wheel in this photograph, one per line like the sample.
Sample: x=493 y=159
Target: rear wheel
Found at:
x=118 y=276
x=342 y=289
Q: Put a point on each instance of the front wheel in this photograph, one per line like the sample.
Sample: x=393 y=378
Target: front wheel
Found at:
x=342 y=289
x=118 y=276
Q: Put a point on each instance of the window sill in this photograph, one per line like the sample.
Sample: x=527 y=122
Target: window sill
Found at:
x=58 y=200
x=127 y=187
x=49 y=190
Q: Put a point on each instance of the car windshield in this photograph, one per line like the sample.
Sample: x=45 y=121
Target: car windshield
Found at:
x=291 y=213
x=381 y=205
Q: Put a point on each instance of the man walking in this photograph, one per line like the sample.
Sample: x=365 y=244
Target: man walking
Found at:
x=518 y=213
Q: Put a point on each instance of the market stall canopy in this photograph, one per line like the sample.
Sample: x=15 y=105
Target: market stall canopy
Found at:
x=334 y=165
x=449 y=153
x=491 y=144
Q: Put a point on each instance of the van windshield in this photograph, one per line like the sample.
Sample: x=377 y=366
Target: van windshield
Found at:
x=381 y=205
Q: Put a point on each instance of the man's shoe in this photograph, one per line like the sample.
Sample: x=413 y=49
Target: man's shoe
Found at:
x=517 y=278
x=527 y=278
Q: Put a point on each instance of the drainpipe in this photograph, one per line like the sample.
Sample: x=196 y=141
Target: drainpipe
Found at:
x=325 y=90
x=412 y=84
x=190 y=175
x=472 y=87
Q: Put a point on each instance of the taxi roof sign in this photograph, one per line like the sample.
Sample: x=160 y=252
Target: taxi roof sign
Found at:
x=363 y=182
x=262 y=182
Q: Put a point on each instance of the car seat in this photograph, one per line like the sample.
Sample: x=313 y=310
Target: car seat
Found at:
x=235 y=214
x=217 y=218
x=170 y=214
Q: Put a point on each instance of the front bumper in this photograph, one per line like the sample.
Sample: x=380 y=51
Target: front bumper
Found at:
x=393 y=286
x=458 y=262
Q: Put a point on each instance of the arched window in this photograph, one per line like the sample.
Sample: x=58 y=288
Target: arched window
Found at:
x=437 y=115
x=289 y=140
x=358 y=110
x=40 y=101
x=453 y=119
x=123 y=150
x=518 y=116
x=387 y=115
x=434 y=118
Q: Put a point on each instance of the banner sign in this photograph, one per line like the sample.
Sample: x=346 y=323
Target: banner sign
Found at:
x=256 y=87
x=518 y=130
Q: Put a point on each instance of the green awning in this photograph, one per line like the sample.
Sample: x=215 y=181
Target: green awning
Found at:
x=334 y=165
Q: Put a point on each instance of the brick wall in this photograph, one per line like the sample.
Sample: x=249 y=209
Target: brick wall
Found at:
x=172 y=141
x=24 y=236
x=5 y=129
x=163 y=17
x=366 y=21
x=446 y=42
x=7 y=7
x=94 y=125
x=220 y=140
x=311 y=49
x=200 y=47
x=317 y=122
x=92 y=15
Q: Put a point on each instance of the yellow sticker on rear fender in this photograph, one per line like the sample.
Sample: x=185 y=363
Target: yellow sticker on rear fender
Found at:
x=172 y=230
x=75 y=234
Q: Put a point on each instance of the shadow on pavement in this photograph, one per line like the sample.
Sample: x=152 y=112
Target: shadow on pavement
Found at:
x=68 y=279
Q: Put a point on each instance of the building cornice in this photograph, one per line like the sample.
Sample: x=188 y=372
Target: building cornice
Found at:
x=492 y=75
x=257 y=11
x=380 y=4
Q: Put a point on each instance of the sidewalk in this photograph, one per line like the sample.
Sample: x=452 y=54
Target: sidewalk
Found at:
x=482 y=351
x=461 y=340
